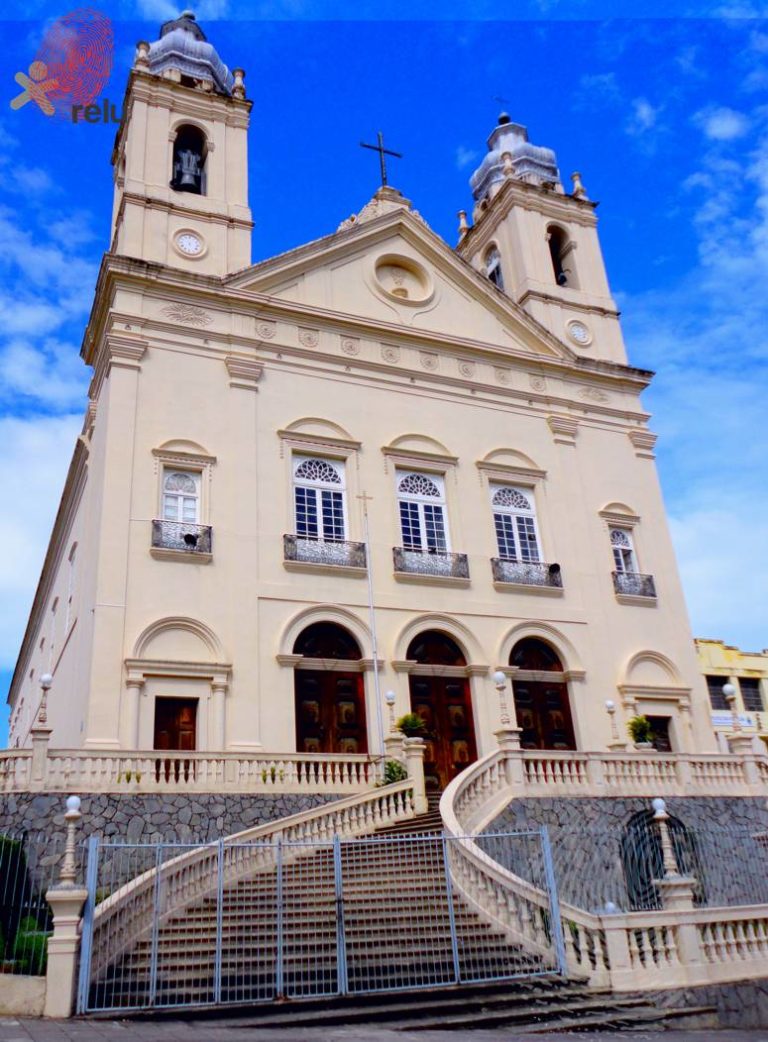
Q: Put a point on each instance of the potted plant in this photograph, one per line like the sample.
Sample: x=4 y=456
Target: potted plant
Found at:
x=641 y=732
x=411 y=725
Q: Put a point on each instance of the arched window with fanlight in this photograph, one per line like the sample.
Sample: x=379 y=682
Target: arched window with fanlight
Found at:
x=514 y=519
x=181 y=496
x=492 y=265
x=421 y=500
x=318 y=495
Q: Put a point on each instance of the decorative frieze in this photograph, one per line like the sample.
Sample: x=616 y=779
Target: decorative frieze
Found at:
x=187 y=314
x=266 y=330
x=350 y=345
x=309 y=337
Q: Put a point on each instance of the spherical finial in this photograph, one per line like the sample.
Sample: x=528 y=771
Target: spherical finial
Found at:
x=73 y=804
x=610 y=705
x=499 y=678
x=728 y=690
x=660 y=807
x=504 y=118
x=46 y=680
x=610 y=908
x=390 y=698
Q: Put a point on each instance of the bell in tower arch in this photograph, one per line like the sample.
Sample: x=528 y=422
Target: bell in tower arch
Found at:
x=189 y=161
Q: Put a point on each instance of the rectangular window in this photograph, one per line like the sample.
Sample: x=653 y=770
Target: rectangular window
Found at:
x=716 y=697
x=319 y=499
x=181 y=496
x=751 y=694
x=421 y=500
x=515 y=522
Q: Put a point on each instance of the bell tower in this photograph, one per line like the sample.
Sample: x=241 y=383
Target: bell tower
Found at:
x=539 y=245
x=181 y=157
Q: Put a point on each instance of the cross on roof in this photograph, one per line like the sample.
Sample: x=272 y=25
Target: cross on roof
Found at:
x=382 y=152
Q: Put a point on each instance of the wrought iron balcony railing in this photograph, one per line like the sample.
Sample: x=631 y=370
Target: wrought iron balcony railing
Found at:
x=426 y=562
x=526 y=573
x=178 y=535
x=338 y=552
x=634 y=583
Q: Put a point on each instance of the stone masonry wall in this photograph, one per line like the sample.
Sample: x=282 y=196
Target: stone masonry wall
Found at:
x=199 y=817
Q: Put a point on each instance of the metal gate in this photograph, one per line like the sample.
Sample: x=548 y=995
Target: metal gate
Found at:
x=173 y=925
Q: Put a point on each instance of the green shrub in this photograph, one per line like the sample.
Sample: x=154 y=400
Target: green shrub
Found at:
x=411 y=725
x=394 y=771
x=30 y=952
x=640 y=729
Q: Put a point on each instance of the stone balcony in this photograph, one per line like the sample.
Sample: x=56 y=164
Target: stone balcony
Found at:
x=433 y=563
x=181 y=537
x=633 y=584
x=526 y=573
x=333 y=553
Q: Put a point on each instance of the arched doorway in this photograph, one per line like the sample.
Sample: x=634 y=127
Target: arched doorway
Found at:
x=541 y=697
x=440 y=696
x=330 y=698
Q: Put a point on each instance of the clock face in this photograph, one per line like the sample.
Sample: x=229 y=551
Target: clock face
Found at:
x=189 y=243
x=579 y=332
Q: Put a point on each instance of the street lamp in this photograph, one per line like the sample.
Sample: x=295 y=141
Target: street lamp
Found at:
x=729 y=692
x=500 y=680
x=390 y=699
x=46 y=680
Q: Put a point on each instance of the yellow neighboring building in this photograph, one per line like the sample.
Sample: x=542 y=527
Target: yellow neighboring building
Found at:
x=748 y=672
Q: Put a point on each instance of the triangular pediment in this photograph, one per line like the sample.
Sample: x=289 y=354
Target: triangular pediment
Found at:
x=393 y=270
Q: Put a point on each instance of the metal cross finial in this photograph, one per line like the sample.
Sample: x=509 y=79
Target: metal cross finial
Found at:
x=382 y=152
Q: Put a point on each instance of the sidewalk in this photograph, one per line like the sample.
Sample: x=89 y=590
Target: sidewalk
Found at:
x=16 y=1030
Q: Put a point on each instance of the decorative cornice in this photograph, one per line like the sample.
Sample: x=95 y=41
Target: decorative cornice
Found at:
x=243 y=372
x=124 y=351
x=643 y=442
x=508 y=472
x=564 y=429
x=415 y=457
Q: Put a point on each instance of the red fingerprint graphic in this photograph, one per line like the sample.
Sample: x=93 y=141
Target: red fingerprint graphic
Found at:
x=77 y=50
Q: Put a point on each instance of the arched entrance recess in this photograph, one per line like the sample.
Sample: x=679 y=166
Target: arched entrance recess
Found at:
x=440 y=695
x=541 y=696
x=329 y=691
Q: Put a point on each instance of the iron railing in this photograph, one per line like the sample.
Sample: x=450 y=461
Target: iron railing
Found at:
x=29 y=866
x=178 y=535
x=338 y=552
x=526 y=573
x=430 y=562
x=634 y=583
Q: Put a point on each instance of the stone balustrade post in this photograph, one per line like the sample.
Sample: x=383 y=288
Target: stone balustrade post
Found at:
x=741 y=744
x=509 y=742
x=414 y=763
x=617 y=948
x=393 y=746
x=683 y=774
x=66 y=902
x=41 y=736
x=595 y=772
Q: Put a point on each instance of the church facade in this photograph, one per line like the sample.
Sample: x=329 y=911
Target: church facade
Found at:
x=375 y=463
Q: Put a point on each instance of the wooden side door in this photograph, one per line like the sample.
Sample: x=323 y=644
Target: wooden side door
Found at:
x=176 y=723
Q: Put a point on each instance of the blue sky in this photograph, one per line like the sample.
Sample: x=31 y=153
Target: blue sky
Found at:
x=664 y=113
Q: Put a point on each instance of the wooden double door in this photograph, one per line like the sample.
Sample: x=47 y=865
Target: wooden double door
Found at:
x=445 y=706
x=330 y=712
x=543 y=714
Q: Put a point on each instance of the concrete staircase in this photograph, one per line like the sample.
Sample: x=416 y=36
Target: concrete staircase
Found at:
x=400 y=962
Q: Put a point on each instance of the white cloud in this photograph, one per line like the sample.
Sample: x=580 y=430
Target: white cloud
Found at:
x=722 y=124
x=33 y=464
x=708 y=336
x=465 y=157
x=644 y=117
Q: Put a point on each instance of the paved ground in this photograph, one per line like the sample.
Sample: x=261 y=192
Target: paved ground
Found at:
x=17 y=1030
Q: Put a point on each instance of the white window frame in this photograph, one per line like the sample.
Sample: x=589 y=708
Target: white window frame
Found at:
x=492 y=266
x=322 y=492
x=522 y=522
x=421 y=509
x=181 y=497
x=624 y=554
